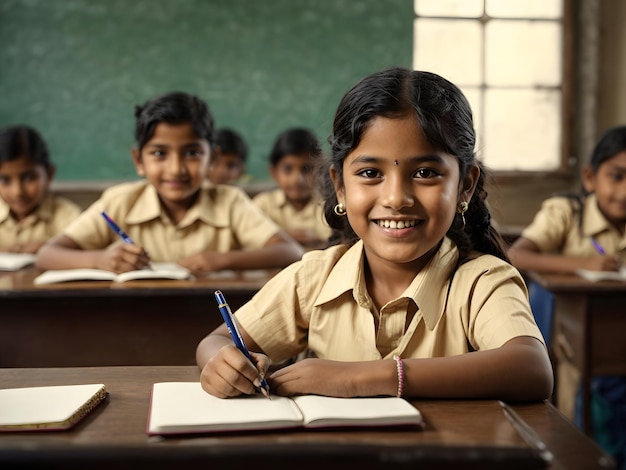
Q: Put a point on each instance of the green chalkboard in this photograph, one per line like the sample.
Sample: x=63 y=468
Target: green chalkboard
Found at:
x=75 y=69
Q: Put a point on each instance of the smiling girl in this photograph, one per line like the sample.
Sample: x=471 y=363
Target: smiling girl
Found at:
x=419 y=300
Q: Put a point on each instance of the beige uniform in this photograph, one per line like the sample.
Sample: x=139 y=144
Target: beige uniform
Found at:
x=321 y=303
x=557 y=228
x=275 y=205
x=52 y=216
x=222 y=219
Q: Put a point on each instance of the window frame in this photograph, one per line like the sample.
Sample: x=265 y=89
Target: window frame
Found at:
x=568 y=164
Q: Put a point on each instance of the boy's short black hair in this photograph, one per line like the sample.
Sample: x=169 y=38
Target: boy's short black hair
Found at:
x=295 y=141
x=23 y=141
x=173 y=108
x=231 y=142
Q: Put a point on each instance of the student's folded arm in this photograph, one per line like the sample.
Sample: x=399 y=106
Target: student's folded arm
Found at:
x=305 y=236
x=28 y=247
x=520 y=370
x=62 y=252
x=526 y=255
x=280 y=251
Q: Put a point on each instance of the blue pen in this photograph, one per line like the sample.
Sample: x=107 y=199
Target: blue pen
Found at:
x=231 y=323
x=597 y=246
x=116 y=229
x=125 y=238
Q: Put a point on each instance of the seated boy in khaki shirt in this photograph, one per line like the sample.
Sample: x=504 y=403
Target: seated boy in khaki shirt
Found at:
x=172 y=216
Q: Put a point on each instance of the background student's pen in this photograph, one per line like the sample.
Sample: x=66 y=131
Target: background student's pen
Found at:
x=231 y=323
x=117 y=229
x=125 y=238
x=597 y=246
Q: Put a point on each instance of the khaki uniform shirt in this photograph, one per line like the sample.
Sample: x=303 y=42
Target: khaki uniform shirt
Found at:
x=275 y=205
x=52 y=216
x=322 y=303
x=222 y=219
x=557 y=228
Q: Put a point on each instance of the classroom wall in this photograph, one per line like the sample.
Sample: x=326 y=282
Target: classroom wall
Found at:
x=612 y=86
x=56 y=75
x=75 y=69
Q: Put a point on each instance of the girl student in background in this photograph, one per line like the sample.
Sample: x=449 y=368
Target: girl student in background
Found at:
x=419 y=300
x=583 y=231
x=294 y=205
x=29 y=214
x=579 y=231
x=171 y=216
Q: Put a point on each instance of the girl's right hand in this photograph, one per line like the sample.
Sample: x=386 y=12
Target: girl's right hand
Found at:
x=602 y=263
x=28 y=247
x=229 y=373
x=121 y=257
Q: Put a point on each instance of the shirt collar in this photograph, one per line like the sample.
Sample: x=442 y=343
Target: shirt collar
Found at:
x=43 y=212
x=344 y=276
x=429 y=289
x=4 y=211
x=433 y=279
x=148 y=207
x=280 y=198
x=594 y=222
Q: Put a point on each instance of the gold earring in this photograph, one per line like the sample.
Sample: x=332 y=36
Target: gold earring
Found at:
x=462 y=209
x=340 y=209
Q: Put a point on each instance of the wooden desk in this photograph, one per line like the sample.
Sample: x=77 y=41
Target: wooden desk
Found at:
x=458 y=434
x=101 y=323
x=589 y=324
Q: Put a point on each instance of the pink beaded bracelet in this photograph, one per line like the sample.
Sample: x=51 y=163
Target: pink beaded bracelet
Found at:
x=400 y=368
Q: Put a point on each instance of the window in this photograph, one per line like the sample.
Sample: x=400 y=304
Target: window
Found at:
x=508 y=58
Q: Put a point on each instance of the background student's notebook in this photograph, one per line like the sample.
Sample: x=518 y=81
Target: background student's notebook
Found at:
x=596 y=276
x=51 y=408
x=183 y=407
x=15 y=261
x=158 y=271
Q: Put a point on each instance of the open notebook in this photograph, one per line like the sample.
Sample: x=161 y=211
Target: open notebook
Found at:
x=15 y=261
x=183 y=407
x=158 y=271
x=596 y=276
x=50 y=408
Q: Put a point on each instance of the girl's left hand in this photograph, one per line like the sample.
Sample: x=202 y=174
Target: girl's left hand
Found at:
x=28 y=247
x=314 y=376
x=206 y=261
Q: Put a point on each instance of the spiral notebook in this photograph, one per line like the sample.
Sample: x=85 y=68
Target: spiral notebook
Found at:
x=48 y=408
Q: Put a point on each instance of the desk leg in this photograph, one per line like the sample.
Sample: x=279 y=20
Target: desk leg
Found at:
x=572 y=332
